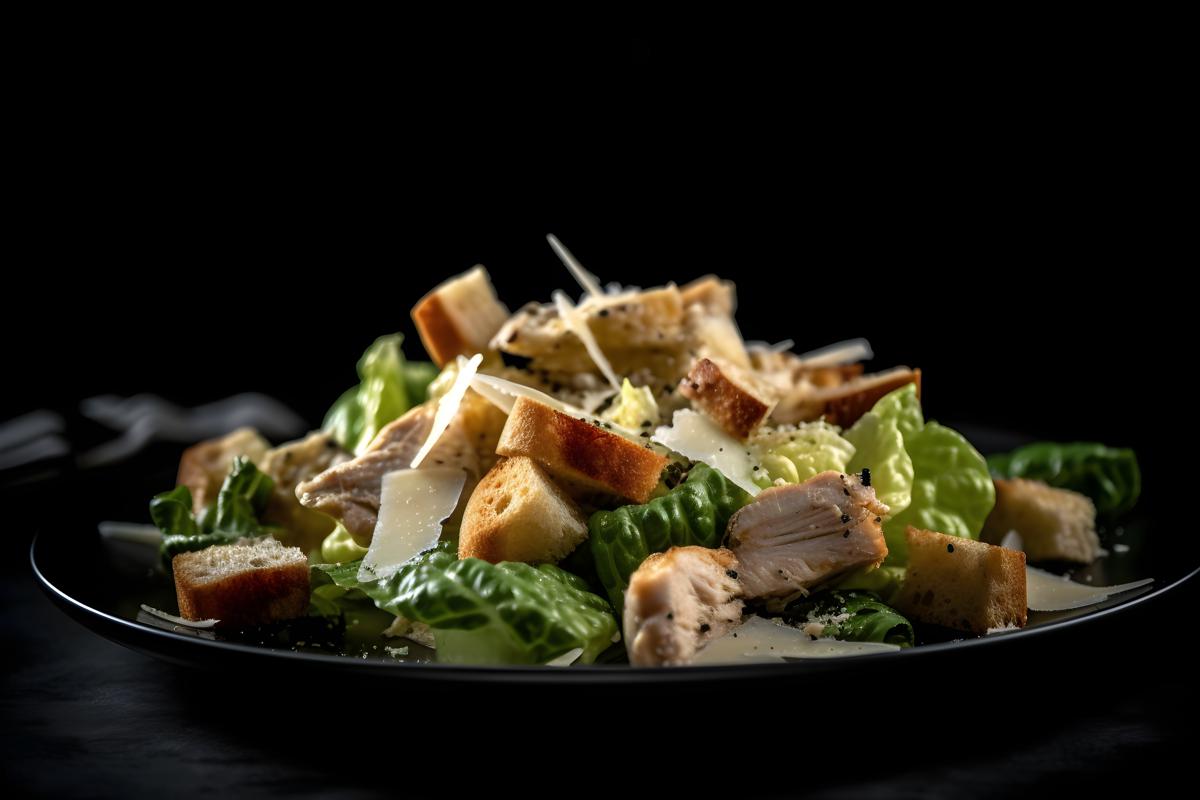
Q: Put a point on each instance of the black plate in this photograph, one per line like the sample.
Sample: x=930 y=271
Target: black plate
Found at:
x=102 y=584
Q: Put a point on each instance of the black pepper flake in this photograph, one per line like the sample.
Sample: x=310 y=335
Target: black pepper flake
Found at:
x=670 y=615
x=756 y=467
x=705 y=627
x=644 y=434
x=602 y=313
x=845 y=518
x=720 y=449
x=866 y=477
x=949 y=548
x=879 y=519
x=846 y=492
x=845 y=534
x=731 y=573
x=647 y=423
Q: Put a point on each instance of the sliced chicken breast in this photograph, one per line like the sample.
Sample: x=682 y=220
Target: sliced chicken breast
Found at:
x=677 y=601
x=793 y=538
x=350 y=491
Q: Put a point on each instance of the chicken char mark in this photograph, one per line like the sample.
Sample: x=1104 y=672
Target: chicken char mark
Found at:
x=794 y=538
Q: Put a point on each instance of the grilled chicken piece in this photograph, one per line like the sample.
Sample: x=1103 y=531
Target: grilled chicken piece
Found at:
x=679 y=600
x=290 y=465
x=350 y=492
x=793 y=538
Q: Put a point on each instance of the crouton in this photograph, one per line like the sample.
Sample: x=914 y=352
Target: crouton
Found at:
x=242 y=584
x=731 y=397
x=459 y=317
x=1054 y=524
x=517 y=513
x=962 y=584
x=204 y=466
x=580 y=453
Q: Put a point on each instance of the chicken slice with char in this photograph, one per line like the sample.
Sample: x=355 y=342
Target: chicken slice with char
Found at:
x=350 y=491
x=679 y=600
x=793 y=538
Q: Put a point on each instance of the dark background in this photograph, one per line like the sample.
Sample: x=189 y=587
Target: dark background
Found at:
x=198 y=218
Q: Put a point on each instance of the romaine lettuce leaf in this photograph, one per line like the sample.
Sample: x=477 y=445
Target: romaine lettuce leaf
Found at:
x=388 y=387
x=483 y=613
x=693 y=513
x=795 y=454
x=879 y=447
x=952 y=491
x=1108 y=475
x=852 y=616
x=634 y=407
x=243 y=496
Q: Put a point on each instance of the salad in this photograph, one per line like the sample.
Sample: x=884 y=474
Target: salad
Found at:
x=624 y=478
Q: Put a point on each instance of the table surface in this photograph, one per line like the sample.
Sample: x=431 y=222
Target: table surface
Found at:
x=1111 y=706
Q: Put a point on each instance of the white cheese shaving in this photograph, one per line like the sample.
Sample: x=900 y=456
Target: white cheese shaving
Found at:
x=131 y=532
x=1045 y=591
x=566 y=659
x=187 y=623
x=850 y=351
x=589 y=282
x=758 y=639
x=448 y=405
x=576 y=322
x=503 y=395
x=695 y=436
x=412 y=507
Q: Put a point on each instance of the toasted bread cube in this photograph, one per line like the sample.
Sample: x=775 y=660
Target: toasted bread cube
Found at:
x=1054 y=524
x=517 y=513
x=711 y=293
x=459 y=317
x=962 y=584
x=729 y=396
x=579 y=452
x=205 y=465
x=242 y=584
x=845 y=403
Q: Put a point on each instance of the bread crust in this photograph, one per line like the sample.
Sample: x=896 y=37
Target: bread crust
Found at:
x=962 y=584
x=517 y=513
x=863 y=393
x=733 y=404
x=251 y=596
x=580 y=452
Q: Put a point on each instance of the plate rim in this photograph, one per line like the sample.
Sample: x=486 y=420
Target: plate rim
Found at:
x=135 y=634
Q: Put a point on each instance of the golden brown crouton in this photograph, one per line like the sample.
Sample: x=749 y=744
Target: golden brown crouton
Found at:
x=242 y=584
x=517 y=513
x=580 y=452
x=204 y=466
x=729 y=396
x=962 y=584
x=459 y=317
x=1054 y=524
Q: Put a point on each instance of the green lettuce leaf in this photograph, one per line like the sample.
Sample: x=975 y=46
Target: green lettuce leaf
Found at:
x=482 y=613
x=796 y=454
x=242 y=498
x=388 y=387
x=853 y=616
x=879 y=447
x=693 y=513
x=882 y=581
x=952 y=491
x=1108 y=475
